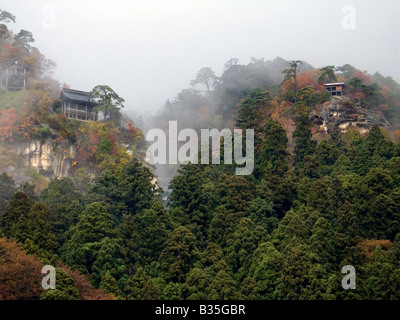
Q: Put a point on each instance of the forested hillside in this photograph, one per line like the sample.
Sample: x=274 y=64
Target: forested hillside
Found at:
x=39 y=141
x=323 y=194
x=214 y=101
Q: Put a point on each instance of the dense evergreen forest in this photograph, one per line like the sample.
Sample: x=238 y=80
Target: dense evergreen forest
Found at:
x=313 y=204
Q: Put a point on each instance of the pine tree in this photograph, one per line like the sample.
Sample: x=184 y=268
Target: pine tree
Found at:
x=240 y=246
x=127 y=193
x=346 y=235
x=179 y=255
x=291 y=227
x=311 y=167
x=130 y=236
x=250 y=114
x=222 y=225
x=266 y=270
x=323 y=242
x=172 y=292
x=196 y=284
x=64 y=202
x=262 y=213
x=249 y=289
x=305 y=144
x=133 y=288
x=109 y=284
x=109 y=260
x=377 y=144
x=381 y=220
x=223 y=287
x=327 y=153
x=81 y=250
x=7 y=188
x=273 y=156
x=383 y=279
x=235 y=192
x=150 y=290
x=342 y=166
x=295 y=273
x=36 y=227
x=212 y=254
x=138 y=191
x=192 y=200
x=154 y=226
x=336 y=199
x=65 y=288
x=18 y=208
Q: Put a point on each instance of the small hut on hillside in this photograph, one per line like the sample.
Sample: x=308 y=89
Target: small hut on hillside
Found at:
x=14 y=75
x=335 y=89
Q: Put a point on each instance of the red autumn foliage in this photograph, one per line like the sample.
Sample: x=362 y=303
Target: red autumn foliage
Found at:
x=363 y=75
x=385 y=90
x=26 y=113
x=25 y=127
x=8 y=52
x=91 y=138
x=305 y=79
x=86 y=290
x=87 y=148
x=359 y=96
x=132 y=130
x=368 y=246
x=113 y=138
x=14 y=126
x=7 y=124
x=20 y=274
x=21 y=277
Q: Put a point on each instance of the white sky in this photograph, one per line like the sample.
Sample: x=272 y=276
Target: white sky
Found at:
x=149 y=50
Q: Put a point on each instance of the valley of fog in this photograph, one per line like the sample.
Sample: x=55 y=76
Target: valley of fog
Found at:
x=148 y=51
x=298 y=199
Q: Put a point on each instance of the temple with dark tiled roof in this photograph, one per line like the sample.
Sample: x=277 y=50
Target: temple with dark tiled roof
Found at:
x=78 y=105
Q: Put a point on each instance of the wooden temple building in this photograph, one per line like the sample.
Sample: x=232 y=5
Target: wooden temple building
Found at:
x=335 y=89
x=78 y=105
x=14 y=75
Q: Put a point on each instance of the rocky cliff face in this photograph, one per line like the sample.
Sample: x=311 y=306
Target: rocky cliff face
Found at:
x=342 y=113
x=50 y=159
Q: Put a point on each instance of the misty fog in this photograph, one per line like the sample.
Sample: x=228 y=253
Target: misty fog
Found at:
x=148 y=51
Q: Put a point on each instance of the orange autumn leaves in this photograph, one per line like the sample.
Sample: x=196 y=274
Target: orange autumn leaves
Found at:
x=20 y=274
x=7 y=119
x=95 y=141
x=305 y=79
x=14 y=126
x=24 y=113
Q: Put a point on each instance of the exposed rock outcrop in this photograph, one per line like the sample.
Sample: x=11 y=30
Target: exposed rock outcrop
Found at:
x=342 y=113
x=50 y=159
